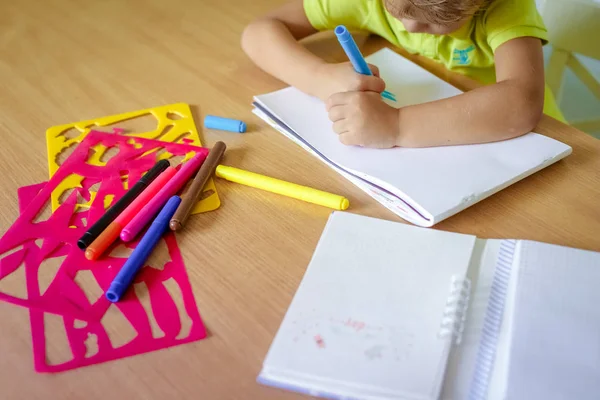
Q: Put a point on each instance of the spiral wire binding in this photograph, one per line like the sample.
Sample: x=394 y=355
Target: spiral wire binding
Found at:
x=455 y=312
x=486 y=354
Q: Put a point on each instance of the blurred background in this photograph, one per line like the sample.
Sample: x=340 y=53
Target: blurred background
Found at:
x=574 y=28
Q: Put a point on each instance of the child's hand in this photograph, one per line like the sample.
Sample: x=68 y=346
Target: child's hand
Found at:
x=338 y=78
x=363 y=119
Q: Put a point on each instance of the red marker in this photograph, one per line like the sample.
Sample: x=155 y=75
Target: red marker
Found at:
x=112 y=231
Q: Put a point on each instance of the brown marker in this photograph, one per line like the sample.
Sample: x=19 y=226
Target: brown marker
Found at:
x=193 y=193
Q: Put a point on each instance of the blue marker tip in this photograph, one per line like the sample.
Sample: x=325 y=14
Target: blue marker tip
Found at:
x=141 y=253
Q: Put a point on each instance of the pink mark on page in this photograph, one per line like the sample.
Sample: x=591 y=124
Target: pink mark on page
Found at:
x=161 y=314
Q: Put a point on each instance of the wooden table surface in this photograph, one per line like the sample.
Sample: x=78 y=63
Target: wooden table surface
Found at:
x=66 y=60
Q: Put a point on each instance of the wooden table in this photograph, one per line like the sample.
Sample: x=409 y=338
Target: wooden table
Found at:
x=65 y=60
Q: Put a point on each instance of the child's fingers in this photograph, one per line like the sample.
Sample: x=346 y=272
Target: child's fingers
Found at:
x=337 y=113
x=337 y=99
x=348 y=139
x=341 y=126
x=374 y=70
x=367 y=83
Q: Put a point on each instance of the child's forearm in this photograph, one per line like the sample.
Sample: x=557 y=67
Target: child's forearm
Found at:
x=491 y=113
x=271 y=45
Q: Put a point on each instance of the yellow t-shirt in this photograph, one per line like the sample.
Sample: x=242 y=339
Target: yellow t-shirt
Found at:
x=469 y=51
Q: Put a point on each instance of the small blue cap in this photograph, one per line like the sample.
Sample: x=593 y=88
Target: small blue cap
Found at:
x=224 y=124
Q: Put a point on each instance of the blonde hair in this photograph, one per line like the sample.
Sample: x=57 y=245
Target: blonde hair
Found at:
x=442 y=12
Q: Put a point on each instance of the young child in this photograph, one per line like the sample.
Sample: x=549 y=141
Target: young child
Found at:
x=498 y=42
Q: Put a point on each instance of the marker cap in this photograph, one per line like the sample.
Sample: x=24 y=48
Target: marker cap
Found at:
x=224 y=124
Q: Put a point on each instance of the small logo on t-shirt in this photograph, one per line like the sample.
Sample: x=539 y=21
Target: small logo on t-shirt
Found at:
x=463 y=57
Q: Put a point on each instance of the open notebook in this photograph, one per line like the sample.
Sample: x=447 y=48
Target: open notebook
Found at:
x=393 y=311
x=423 y=186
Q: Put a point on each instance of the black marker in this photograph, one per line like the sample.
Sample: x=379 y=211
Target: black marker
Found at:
x=118 y=208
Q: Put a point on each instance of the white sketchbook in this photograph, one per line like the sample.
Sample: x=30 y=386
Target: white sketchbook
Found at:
x=392 y=311
x=423 y=186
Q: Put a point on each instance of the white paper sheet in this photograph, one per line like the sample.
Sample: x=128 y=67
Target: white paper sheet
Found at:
x=436 y=182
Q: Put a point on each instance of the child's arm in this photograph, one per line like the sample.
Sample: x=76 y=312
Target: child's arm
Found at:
x=272 y=43
x=509 y=108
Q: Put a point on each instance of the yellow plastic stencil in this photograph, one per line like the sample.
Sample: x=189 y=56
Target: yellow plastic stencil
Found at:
x=172 y=123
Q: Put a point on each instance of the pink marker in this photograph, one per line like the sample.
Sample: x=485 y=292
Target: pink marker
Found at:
x=112 y=231
x=146 y=214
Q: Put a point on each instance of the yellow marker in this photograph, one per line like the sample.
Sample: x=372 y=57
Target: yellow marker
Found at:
x=282 y=187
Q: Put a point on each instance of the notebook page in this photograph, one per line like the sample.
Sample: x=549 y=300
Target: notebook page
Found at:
x=391 y=202
x=464 y=174
x=555 y=348
x=366 y=317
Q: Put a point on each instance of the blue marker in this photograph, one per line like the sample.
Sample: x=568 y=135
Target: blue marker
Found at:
x=355 y=56
x=224 y=124
x=141 y=253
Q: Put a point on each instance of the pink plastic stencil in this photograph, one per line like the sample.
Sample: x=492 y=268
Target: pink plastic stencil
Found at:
x=154 y=317
x=158 y=312
x=30 y=243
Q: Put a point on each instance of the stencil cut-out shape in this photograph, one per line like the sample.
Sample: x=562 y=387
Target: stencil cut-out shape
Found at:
x=159 y=257
x=89 y=285
x=134 y=143
x=174 y=116
x=76 y=193
x=14 y=283
x=125 y=181
x=78 y=324
x=11 y=252
x=47 y=272
x=165 y=131
x=92 y=155
x=151 y=126
x=206 y=194
x=70 y=133
x=109 y=153
x=121 y=251
x=181 y=137
x=65 y=153
x=65 y=195
x=78 y=220
x=39 y=242
x=44 y=213
x=11 y=260
x=159 y=153
x=58 y=350
x=141 y=292
x=146 y=122
x=108 y=201
x=177 y=296
x=177 y=160
x=91 y=345
x=95 y=187
x=119 y=330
